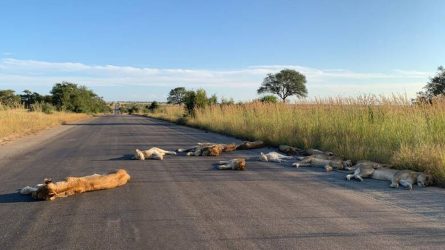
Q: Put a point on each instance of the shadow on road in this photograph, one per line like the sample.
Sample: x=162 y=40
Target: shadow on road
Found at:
x=15 y=198
x=122 y=158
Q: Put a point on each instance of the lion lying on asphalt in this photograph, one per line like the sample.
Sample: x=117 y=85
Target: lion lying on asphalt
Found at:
x=250 y=145
x=152 y=153
x=75 y=185
x=234 y=164
x=208 y=149
x=274 y=157
x=328 y=161
x=304 y=152
x=405 y=178
x=369 y=169
x=408 y=178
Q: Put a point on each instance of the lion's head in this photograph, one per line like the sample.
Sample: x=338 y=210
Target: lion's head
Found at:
x=424 y=180
x=44 y=192
x=263 y=157
x=241 y=163
x=139 y=155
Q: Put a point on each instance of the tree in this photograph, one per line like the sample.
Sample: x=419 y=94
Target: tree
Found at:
x=71 y=97
x=285 y=83
x=213 y=100
x=269 y=99
x=176 y=95
x=29 y=98
x=153 y=106
x=435 y=87
x=9 y=98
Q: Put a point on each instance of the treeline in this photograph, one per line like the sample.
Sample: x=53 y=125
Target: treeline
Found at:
x=193 y=99
x=64 y=96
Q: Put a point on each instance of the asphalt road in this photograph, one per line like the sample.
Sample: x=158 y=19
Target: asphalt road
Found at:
x=185 y=203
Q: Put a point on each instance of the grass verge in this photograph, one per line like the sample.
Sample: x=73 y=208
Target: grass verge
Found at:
x=15 y=123
x=366 y=128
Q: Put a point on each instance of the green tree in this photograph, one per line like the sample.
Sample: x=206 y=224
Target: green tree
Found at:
x=9 y=98
x=213 y=100
x=285 y=83
x=435 y=87
x=153 y=106
x=269 y=99
x=176 y=95
x=71 y=97
x=29 y=98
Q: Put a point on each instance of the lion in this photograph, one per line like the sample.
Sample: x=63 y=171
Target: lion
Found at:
x=152 y=153
x=208 y=149
x=291 y=150
x=250 y=145
x=408 y=178
x=234 y=164
x=75 y=185
x=363 y=169
x=329 y=162
x=274 y=157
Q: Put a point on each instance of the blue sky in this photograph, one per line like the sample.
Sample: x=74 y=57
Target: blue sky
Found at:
x=139 y=50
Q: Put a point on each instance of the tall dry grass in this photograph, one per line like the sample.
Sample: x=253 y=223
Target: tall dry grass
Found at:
x=388 y=130
x=18 y=122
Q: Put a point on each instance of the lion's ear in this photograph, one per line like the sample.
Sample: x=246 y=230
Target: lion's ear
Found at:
x=47 y=180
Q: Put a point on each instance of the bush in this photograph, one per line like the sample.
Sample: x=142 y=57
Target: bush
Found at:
x=153 y=106
x=269 y=99
x=44 y=107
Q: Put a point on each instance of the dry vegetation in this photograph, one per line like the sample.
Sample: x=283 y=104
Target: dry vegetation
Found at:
x=388 y=130
x=18 y=122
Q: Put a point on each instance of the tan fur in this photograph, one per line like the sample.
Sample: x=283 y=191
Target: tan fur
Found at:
x=324 y=160
x=290 y=150
x=384 y=174
x=363 y=169
x=152 y=153
x=208 y=149
x=250 y=145
x=408 y=178
x=75 y=185
x=234 y=164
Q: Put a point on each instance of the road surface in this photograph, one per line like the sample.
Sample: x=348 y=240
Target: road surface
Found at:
x=185 y=203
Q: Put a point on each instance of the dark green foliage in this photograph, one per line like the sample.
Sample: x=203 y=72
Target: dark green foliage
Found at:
x=153 y=106
x=286 y=83
x=29 y=98
x=197 y=99
x=189 y=101
x=176 y=95
x=213 y=100
x=71 y=97
x=435 y=87
x=269 y=99
x=9 y=98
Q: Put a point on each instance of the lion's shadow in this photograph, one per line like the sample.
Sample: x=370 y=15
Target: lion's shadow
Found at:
x=15 y=198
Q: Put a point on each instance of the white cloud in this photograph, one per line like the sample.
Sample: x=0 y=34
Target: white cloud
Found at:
x=240 y=83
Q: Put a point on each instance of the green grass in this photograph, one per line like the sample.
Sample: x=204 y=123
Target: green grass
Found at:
x=372 y=128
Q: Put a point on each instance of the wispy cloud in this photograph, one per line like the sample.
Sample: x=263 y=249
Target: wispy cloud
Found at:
x=239 y=83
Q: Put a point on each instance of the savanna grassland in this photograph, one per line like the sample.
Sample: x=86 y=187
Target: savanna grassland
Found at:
x=18 y=122
x=387 y=130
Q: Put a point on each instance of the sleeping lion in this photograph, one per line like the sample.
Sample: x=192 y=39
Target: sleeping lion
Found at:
x=152 y=153
x=76 y=185
x=329 y=162
x=234 y=164
x=208 y=149
x=408 y=178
